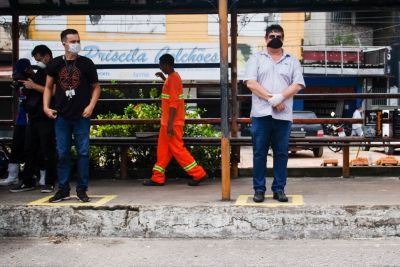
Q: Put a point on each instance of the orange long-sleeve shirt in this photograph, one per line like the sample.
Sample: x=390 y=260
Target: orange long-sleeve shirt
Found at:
x=172 y=97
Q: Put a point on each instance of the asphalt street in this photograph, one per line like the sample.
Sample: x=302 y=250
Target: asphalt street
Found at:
x=62 y=251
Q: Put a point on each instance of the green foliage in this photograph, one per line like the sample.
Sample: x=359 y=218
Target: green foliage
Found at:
x=114 y=92
x=344 y=39
x=145 y=156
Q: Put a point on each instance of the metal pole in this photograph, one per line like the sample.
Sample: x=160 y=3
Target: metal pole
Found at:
x=346 y=162
x=15 y=38
x=225 y=146
x=15 y=56
x=234 y=91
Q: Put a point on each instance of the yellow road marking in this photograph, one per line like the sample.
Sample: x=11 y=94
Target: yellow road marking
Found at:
x=45 y=201
x=247 y=200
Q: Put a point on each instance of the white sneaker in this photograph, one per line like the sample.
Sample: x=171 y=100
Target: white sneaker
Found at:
x=12 y=179
x=9 y=181
x=42 y=180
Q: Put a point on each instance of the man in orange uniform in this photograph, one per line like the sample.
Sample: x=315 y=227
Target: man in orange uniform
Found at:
x=170 y=142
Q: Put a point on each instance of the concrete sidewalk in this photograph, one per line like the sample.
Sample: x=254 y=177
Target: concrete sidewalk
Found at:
x=324 y=208
x=315 y=192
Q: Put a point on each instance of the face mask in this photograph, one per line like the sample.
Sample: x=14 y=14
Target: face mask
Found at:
x=74 y=48
x=275 y=43
x=41 y=65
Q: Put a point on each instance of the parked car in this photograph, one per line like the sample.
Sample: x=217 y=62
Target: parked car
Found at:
x=302 y=130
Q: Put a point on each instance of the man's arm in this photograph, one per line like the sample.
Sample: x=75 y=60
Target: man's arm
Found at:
x=258 y=90
x=48 y=91
x=87 y=112
x=30 y=84
x=293 y=89
x=161 y=75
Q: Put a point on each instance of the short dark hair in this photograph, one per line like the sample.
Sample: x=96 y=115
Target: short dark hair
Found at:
x=167 y=59
x=64 y=33
x=274 y=28
x=42 y=50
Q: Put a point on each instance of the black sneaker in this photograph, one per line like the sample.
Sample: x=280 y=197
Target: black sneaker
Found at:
x=59 y=196
x=22 y=188
x=259 y=197
x=280 y=196
x=151 y=183
x=82 y=196
x=197 y=182
x=46 y=188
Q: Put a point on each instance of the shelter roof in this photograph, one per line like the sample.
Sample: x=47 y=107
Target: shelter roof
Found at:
x=57 y=7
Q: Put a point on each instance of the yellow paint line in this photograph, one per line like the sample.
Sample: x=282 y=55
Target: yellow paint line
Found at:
x=45 y=201
x=247 y=200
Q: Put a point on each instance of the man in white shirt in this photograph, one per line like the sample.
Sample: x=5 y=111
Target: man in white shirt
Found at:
x=357 y=128
x=274 y=77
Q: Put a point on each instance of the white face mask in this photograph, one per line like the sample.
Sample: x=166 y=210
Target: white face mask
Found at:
x=41 y=65
x=74 y=48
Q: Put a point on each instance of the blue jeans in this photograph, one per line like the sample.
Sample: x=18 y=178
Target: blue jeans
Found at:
x=79 y=128
x=267 y=131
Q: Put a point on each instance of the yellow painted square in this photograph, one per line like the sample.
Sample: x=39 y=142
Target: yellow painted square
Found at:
x=247 y=200
x=103 y=199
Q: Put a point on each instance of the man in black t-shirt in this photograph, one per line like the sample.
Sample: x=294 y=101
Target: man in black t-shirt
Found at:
x=76 y=93
x=39 y=136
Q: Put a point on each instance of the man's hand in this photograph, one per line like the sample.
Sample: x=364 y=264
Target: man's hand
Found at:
x=276 y=99
x=280 y=107
x=51 y=113
x=28 y=84
x=170 y=130
x=161 y=75
x=87 y=112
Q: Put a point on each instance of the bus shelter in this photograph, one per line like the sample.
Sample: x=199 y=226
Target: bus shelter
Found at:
x=229 y=122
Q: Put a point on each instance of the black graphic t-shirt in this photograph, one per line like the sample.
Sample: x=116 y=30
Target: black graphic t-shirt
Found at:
x=72 y=75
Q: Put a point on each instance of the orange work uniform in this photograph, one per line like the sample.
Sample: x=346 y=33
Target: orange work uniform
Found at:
x=168 y=147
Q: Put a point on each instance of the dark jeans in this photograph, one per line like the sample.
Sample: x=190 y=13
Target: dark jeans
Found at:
x=267 y=131
x=17 y=147
x=40 y=142
x=79 y=128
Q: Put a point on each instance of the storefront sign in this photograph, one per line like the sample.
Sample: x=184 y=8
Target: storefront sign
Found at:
x=140 y=53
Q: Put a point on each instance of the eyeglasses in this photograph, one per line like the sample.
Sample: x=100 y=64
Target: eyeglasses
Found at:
x=272 y=36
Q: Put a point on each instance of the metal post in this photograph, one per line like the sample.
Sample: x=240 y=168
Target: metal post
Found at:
x=225 y=146
x=234 y=91
x=346 y=162
x=15 y=56
x=15 y=38
x=124 y=162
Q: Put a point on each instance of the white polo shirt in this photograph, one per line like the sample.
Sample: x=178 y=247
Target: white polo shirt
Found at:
x=274 y=77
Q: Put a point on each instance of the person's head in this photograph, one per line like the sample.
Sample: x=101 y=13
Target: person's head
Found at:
x=23 y=69
x=71 y=41
x=274 y=36
x=42 y=54
x=167 y=63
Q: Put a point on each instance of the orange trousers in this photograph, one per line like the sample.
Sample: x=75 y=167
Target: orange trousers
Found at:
x=169 y=147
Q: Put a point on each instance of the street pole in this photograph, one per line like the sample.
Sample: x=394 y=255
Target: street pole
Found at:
x=15 y=56
x=225 y=146
x=234 y=91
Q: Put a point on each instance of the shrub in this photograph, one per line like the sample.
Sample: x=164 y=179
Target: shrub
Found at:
x=145 y=156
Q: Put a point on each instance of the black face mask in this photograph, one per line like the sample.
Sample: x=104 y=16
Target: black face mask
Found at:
x=275 y=43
